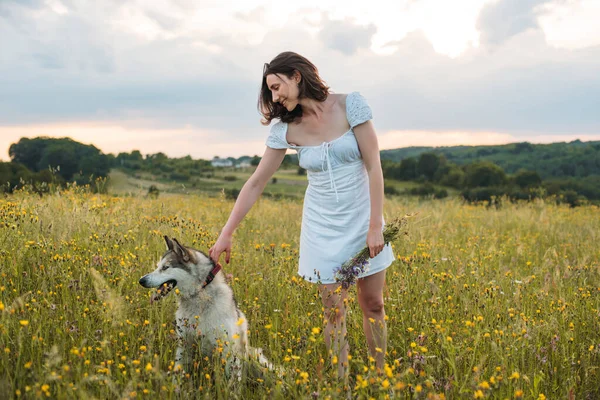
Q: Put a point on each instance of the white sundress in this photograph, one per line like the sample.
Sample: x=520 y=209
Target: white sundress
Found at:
x=337 y=208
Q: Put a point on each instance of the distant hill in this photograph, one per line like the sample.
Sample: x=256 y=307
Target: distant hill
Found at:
x=555 y=160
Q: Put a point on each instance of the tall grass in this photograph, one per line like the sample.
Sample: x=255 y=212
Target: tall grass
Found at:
x=481 y=302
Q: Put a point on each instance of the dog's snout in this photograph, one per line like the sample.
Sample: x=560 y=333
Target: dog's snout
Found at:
x=144 y=281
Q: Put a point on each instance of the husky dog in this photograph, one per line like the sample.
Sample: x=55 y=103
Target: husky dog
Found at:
x=208 y=313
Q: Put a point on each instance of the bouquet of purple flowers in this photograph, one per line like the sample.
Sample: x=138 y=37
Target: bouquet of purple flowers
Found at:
x=349 y=271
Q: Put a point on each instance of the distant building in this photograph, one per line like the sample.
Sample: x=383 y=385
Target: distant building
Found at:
x=243 y=164
x=221 y=162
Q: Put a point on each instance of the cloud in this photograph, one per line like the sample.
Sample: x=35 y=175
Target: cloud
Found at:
x=44 y=38
x=48 y=60
x=87 y=66
x=504 y=19
x=256 y=15
x=7 y=7
x=345 y=36
x=571 y=24
x=414 y=46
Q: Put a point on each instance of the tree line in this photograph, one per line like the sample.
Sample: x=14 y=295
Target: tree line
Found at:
x=574 y=159
x=44 y=160
x=484 y=180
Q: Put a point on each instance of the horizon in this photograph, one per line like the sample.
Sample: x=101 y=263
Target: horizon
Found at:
x=291 y=152
x=182 y=78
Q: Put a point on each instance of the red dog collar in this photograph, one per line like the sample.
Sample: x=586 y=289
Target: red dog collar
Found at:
x=211 y=275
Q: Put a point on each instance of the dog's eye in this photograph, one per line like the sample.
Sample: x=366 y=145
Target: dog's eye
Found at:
x=165 y=267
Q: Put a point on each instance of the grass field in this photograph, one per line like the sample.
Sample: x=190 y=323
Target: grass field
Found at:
x=481 y=302
x=287 y=183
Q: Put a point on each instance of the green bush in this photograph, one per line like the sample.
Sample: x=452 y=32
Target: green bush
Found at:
x=526 y=179
x=390 y=190
x=153 y=192
x=426 y=189
x=180 y=176
x=491 y=194
x=571 y=198
x=441 y=194
x=484 y=174
x=231 y=193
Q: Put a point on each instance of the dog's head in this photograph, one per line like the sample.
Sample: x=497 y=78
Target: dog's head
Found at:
x=180 y=267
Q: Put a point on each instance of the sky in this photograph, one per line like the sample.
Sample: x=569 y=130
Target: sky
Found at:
x=182 y=76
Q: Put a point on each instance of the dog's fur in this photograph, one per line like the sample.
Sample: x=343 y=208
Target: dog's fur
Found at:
x=208 y=316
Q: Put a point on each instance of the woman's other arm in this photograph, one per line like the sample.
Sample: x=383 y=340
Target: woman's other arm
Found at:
x=369 y=148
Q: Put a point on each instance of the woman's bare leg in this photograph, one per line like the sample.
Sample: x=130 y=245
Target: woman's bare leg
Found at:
x=370 y=298
x=334 y=301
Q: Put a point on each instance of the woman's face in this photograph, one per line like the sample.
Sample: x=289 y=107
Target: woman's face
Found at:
x=284 y=90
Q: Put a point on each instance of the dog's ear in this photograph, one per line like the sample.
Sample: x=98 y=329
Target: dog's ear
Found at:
x=169 y=243
x=181 y=251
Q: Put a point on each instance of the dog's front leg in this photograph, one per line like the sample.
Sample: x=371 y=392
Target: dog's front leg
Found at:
x=181 y=367
x=184 y=356
x=180 y=359
x=233 y=368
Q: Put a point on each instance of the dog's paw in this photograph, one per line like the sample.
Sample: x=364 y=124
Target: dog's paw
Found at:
x=177 y=371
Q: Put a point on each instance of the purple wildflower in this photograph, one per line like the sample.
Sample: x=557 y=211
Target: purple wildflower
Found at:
x=348 y=272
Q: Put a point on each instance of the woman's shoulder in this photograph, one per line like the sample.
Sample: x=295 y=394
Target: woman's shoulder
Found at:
x=354 y=98
x=276 y=139
x=349 y=101
x=342 y=98
x=279 y=129
x=344 y=101
x=357 y=109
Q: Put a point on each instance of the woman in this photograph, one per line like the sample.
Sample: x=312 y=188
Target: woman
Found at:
x=343 y=204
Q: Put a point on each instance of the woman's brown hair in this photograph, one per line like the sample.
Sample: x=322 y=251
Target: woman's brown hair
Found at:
x=311 y=86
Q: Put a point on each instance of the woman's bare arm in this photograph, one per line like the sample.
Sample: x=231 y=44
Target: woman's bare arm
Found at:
x=369 y=149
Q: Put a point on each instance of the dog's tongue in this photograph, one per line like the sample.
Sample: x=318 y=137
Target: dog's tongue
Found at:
x=161 y=292
x=155 y=297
